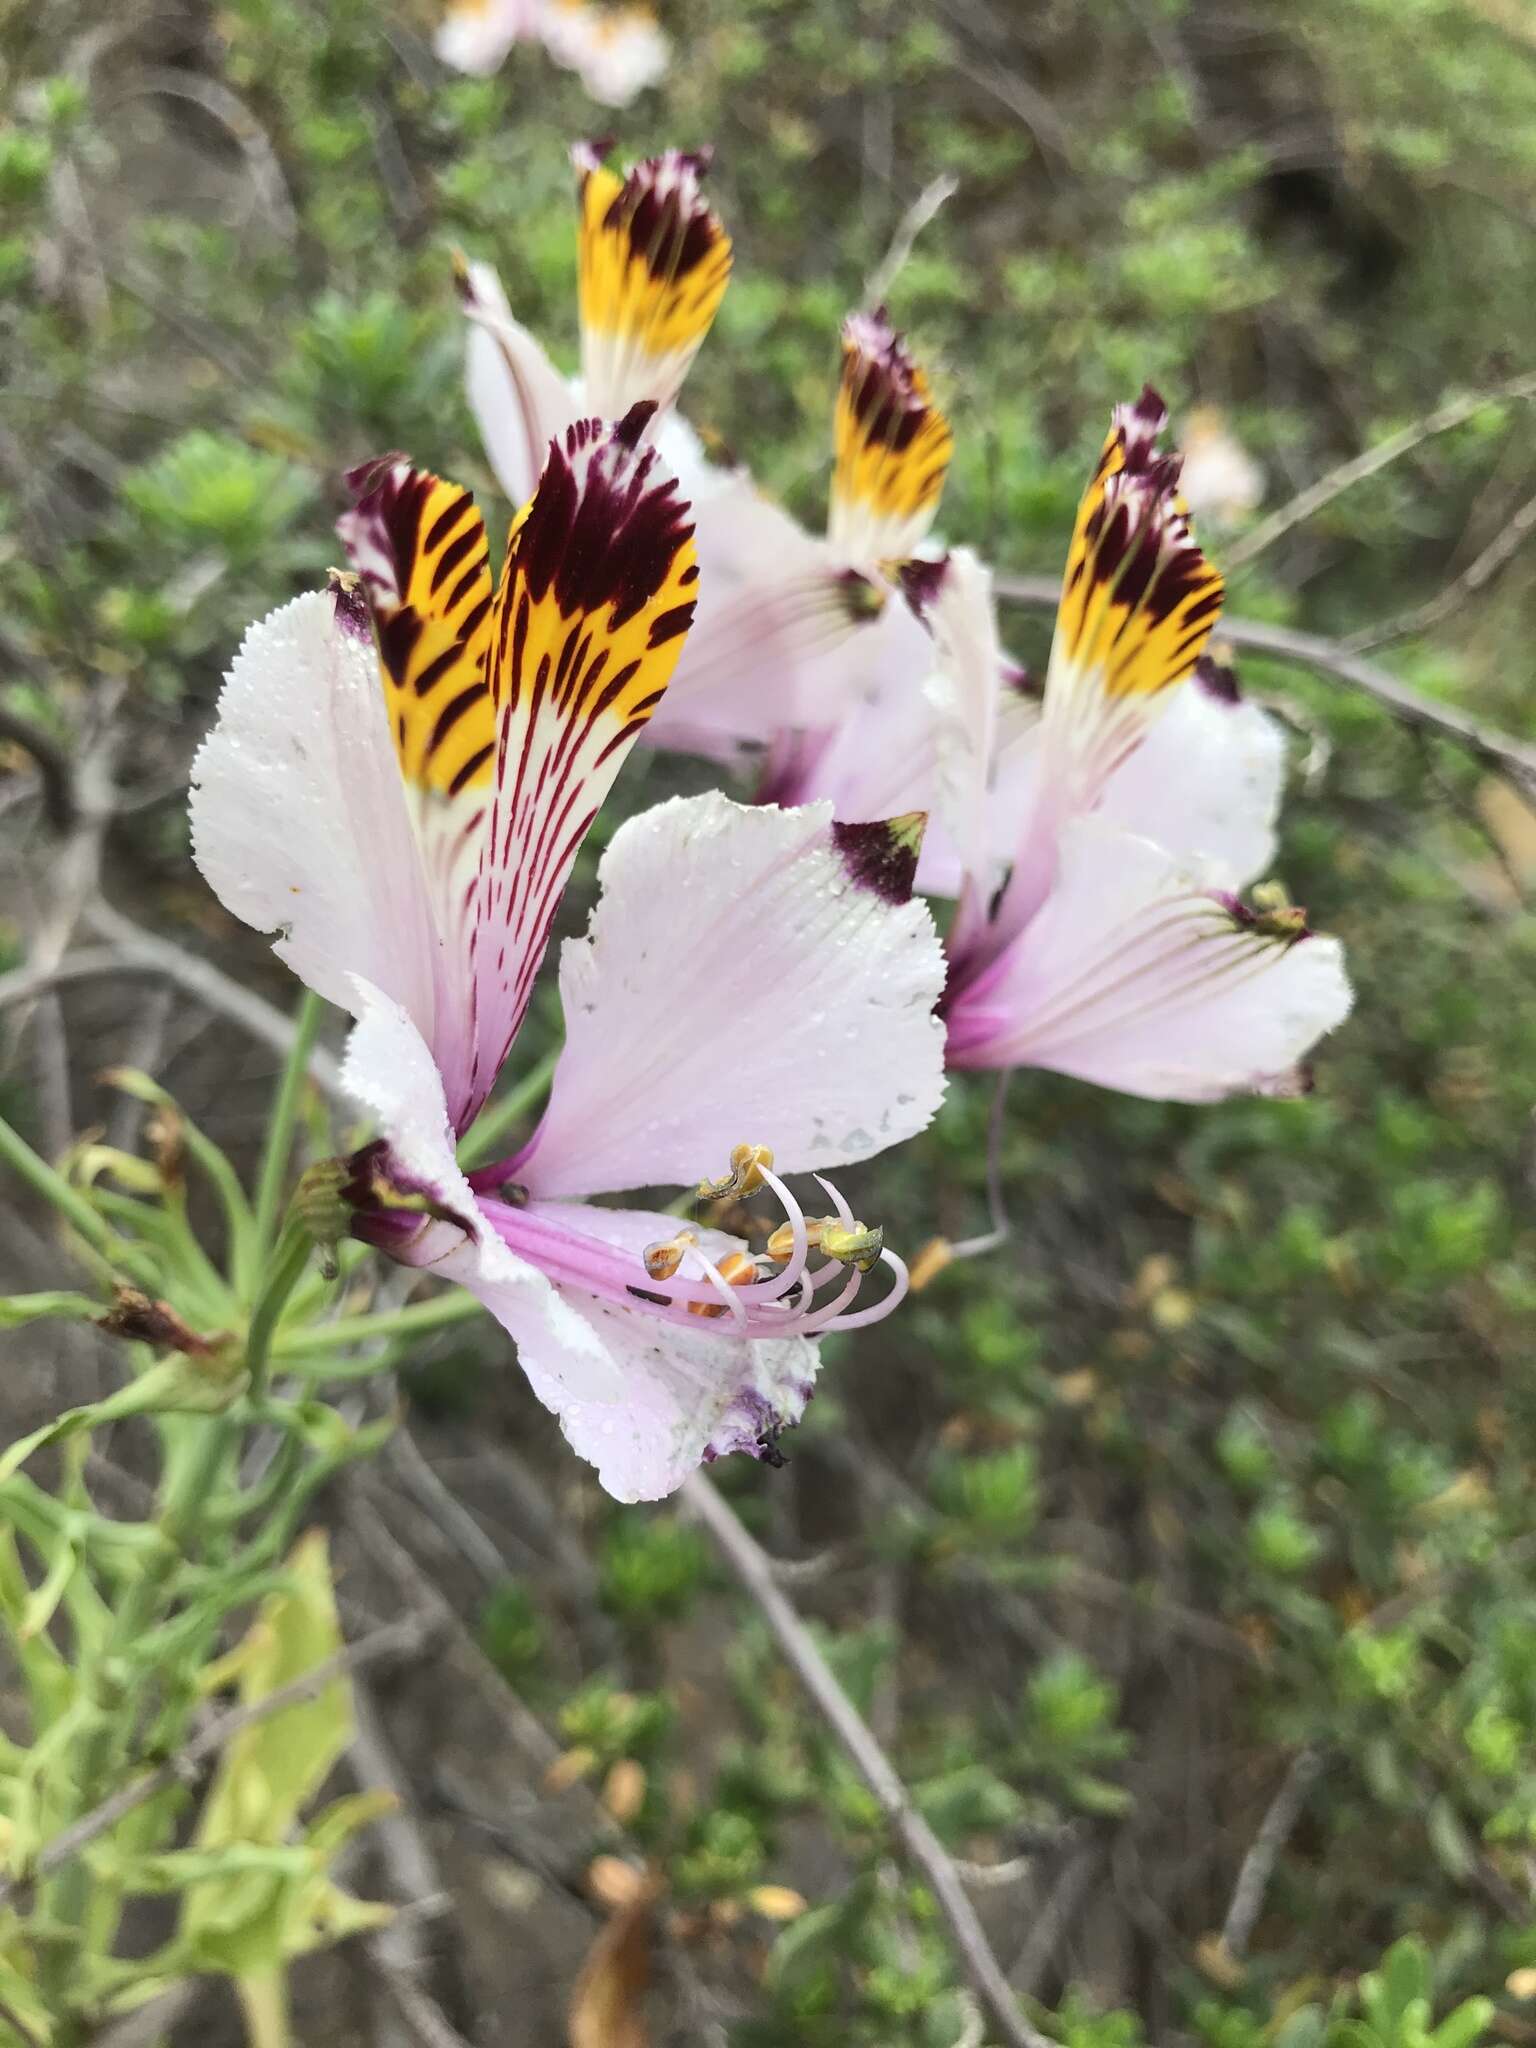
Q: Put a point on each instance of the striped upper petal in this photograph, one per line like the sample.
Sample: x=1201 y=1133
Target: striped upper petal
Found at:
x=596 y=598
x=893 y=447
x=511 y=714
x=1138 y=604
x=653 y=265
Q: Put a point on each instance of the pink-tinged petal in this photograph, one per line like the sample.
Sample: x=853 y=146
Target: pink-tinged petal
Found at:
x=1133 y=976
x=390 y=1073
x=475 y=35
x=775 y=656
x=642 y=1400
x=962 y=691
x=682 y=1397
x=880 y=756
x=519 y=399
x=617 y=52
x=748 y=976
x=1206 y=782
x=299 y=817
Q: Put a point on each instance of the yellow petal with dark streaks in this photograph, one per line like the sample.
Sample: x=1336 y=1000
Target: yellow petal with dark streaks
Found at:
x=654 y=262
x=596 y=596
x=1140 y=599
x=419 y=547
x=893 y=446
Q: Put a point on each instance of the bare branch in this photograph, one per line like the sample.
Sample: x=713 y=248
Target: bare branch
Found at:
x=1503 y=548
x=1454 y=413
x=755 y=1571
x=53 y=771
x=143 y=952
x=1259 y=1864
x=917 y=216
x=1497 y=750
x=232 y=114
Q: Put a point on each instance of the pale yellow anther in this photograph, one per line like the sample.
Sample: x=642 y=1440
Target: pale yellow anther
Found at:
x=781 y=1245
x=737 y=1269
x=854 y=1244
x=744 y=1178
x=663 y=1258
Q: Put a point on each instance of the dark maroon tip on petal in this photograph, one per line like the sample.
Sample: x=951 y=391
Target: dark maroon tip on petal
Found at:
x=1217 y=680
x=921 y=582
x=630 y=431
x=882 y=856
x=364 y=477
x=592 y=154
x=351 y=607
x=1020 y=678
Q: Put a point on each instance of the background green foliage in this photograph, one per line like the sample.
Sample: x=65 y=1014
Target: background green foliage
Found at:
x=1227 y=1454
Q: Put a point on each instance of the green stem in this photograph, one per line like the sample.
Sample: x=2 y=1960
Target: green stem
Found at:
x=278 y=1149
x=284 y=1269
x=498 y=1117
x=44 y=1180
x=67 y=1898
x=264 y=2004
x=316 y=1339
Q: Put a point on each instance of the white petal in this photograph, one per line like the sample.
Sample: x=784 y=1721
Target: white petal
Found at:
x=391 y=1074
x=616 y=52
x=520 y=401
x=1133 y=976
x=299 y=816
x=962 y=691
x=737 y=984
x=642 y=1401
x=1206 y=783
x=476 y=35
x=676 y=1398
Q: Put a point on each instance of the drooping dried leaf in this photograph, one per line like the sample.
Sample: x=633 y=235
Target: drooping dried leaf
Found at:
x=607 y=2003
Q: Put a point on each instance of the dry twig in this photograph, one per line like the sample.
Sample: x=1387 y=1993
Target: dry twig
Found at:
x=1454 y=413
x=1503 y=548
x=1497 y=750
x=755 y=1571
x=917 y=216
x=1259 y=1864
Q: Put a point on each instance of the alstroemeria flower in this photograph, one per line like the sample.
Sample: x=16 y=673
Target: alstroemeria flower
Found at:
x=615 y=51
x=398 y=789
x=653 y=262
x=795 y=628
x=1121 y=955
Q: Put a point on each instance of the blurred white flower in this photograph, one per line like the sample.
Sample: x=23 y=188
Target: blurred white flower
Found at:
x=1222 y=482
x=617 y=52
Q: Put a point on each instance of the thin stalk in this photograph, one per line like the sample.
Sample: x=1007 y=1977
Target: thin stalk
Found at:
x=44 y=1180
x=500 y=1116
x=315 y=1339
x=284 y=1268
x=264 y=2003
x=277 y=1151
